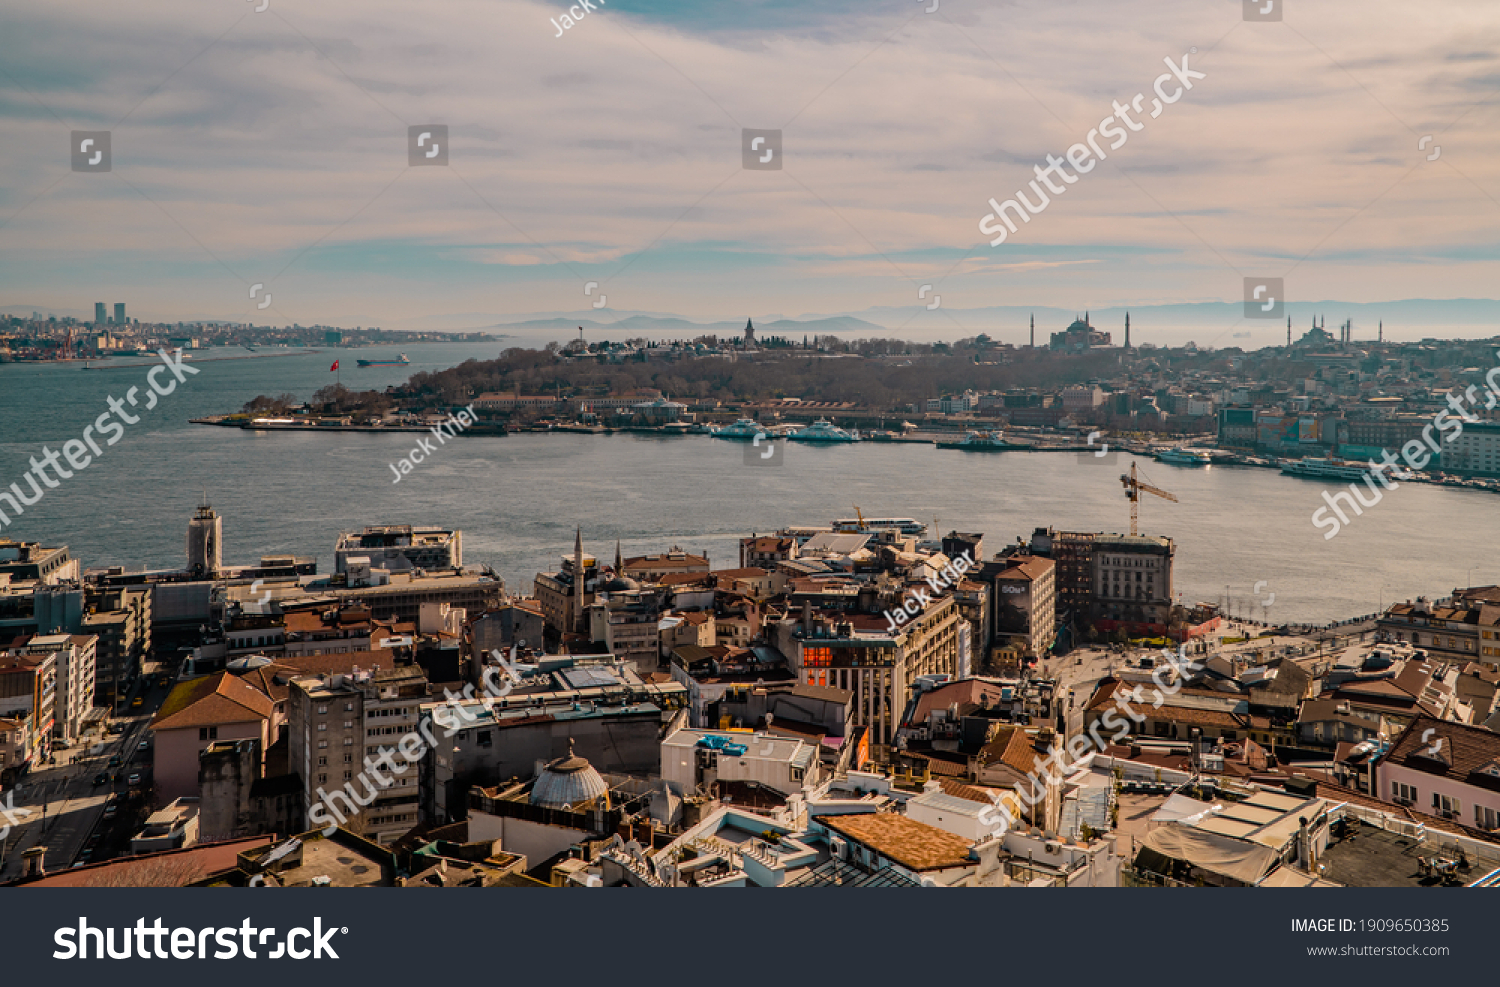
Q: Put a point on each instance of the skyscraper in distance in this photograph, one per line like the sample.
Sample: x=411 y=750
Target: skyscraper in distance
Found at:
x=119 y=313
x=99 y=318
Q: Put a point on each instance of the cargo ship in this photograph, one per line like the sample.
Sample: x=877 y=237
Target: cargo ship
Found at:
x=400 y=361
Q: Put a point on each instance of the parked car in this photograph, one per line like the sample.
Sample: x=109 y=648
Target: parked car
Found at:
x=102 y=778
x=114 y=760
x=111 y=809
x=144 y=745
x=134 y=779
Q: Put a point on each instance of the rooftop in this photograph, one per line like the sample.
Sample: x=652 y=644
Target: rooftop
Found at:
x=914 y=845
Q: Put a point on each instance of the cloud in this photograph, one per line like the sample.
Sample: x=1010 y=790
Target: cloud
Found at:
x=263 y=146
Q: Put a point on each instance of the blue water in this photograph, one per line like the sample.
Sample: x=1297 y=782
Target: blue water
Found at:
x=517 y=498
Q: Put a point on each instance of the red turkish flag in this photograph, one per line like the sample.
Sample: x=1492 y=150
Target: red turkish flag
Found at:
x=334 y=367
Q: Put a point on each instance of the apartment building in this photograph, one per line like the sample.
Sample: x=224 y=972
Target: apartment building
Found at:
x=1132 y=582
x=858 y=653
x=74 y=658
x=339 y=725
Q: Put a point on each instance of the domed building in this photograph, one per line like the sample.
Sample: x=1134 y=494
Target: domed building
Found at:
x=570 y=783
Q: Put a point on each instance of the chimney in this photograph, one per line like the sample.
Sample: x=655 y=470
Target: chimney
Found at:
x=35 y=866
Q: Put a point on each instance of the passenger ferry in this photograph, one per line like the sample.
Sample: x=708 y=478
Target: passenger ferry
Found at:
x=981 y=441
x=745 y=428
x=1334 y=469
x=1185 y=457
x=823 y=430
x=907 y=525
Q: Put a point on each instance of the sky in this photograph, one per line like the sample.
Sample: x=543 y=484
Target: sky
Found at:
x=1349 y=148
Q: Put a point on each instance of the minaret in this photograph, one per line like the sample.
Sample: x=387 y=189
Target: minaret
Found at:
x=1033 y=330
x=1381 y=338
x=1288 y=332
x=619 y=565
x=1127 y=332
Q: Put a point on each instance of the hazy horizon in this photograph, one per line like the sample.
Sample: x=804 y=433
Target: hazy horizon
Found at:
x=1351 y=155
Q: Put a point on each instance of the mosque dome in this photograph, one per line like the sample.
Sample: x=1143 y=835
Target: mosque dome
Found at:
x=569 y=783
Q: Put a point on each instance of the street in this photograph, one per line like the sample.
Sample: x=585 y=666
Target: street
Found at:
x=59 y=806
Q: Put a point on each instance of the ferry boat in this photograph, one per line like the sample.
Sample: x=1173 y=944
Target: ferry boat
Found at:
x=981 y=441
x=1334 y=469
x=1185 y=457
x=907 y=525
x=823 y=430
x=400 y=361
x=744 y=428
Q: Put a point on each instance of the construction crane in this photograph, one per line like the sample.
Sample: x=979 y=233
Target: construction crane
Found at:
x=861 y=517
x=1133 y=488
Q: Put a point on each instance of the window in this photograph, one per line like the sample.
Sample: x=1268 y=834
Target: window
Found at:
x=483 y=738
x=1403 y=793
x=1486 y=818
x=348 y=741
x=348 y=775
x=322 y=727
x=322 y=744
x=348 y=724
x=348 y=707
x=322 y=778
x=322 y=762
x=1447 y=806
x=348 y=758
x=208 y=733
x=322 y=710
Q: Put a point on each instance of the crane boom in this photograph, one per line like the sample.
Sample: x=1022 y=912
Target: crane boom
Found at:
x=1133 y=487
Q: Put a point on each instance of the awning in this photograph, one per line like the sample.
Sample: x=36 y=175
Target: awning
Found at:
x=1238 y=860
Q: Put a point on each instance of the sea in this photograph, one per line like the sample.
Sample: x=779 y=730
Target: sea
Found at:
x=1244 y=536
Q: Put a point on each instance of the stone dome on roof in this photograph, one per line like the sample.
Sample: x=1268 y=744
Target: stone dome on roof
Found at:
x=569 y=783
x=621 y=584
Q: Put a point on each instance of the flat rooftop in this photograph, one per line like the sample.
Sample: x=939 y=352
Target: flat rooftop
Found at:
x=1373 y=858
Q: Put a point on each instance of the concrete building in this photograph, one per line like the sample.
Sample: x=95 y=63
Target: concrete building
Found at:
x=205 y=543
x=856 y=652
x=1132 y=581
x=197 y=713
x=74 y=660
x=1475 y=451
x=1025 y=601
x=28 y=696
x=566 y=594
x=650 y=568
x=696 y=761
x=174 y=827
x=338 y=725
x=401 y=548
x=1446 y=769
x=29 y=560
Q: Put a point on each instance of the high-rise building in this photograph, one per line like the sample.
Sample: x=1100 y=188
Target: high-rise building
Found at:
x=99 y=318
x=119 y=313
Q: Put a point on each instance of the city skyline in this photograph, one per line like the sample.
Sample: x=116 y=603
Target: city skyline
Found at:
x=270 y=147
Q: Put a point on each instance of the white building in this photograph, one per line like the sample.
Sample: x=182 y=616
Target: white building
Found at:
x=691 y=759
x=74 y=657
x=1444 y=769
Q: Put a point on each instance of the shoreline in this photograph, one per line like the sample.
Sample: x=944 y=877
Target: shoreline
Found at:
x=939 y=440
